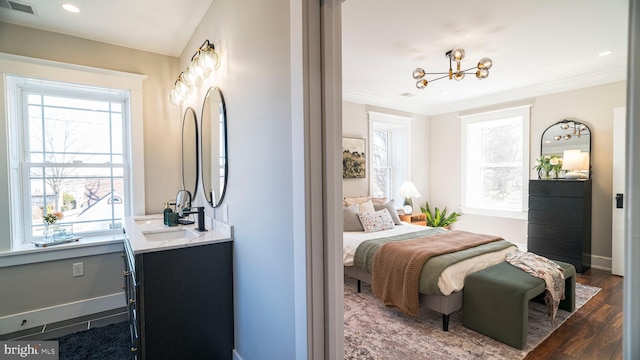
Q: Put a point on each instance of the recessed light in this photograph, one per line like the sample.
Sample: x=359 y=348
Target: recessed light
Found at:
x=605 y=53
x=70 y=8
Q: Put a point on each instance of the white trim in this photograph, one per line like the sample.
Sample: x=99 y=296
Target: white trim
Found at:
x=523 y=111
x=29 y=253
x=39 y=317
x=601 y=263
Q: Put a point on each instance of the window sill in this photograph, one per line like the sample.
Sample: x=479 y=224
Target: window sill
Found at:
x=29 y=253
x=520 y=215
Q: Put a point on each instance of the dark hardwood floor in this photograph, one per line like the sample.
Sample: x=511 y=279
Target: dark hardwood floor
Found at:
x=595 y=330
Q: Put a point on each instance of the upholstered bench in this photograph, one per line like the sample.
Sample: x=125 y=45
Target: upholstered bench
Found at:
x=496 y=301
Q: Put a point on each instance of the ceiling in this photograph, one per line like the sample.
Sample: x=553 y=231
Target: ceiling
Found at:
x=538 y=47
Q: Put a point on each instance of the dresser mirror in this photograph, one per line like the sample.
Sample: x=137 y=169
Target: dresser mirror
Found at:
x=190 y=151
x=569 y=135
x=214 y=146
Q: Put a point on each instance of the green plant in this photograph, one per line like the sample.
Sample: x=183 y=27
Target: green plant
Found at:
x=548 y=165
x=438 y=218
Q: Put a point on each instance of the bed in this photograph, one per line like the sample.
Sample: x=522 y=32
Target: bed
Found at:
x=442 y=277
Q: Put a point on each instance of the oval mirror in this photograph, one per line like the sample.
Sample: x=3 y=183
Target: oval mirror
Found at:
x=190 y=151
x=214 y=146
x=566 y=138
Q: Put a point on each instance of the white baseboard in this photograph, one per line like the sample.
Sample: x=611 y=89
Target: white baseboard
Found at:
x=40 y=317
x=236 y=356
x=601 y=263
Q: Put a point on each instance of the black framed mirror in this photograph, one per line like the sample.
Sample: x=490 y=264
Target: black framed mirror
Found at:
x=214 y=146
x=190 y=151
x=567 y=139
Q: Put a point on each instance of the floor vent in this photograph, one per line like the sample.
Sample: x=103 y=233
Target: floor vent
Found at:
x=17 y=6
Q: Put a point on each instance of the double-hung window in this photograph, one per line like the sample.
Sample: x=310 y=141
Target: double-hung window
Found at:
x=389 y=148
x=495 y=158
x=73 y=156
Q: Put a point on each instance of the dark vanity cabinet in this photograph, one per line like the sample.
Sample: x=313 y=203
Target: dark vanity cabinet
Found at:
x=180 y=302
x=560 y=221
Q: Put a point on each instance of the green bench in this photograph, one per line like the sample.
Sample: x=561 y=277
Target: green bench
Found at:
x=496 y=301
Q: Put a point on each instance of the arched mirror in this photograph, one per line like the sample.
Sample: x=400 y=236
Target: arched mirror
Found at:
x=190 y=151
x=571 y=141
x=214 y=146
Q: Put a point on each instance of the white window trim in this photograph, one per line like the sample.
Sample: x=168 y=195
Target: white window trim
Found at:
x=404 y=121
x=525 y=111
x=56 y=71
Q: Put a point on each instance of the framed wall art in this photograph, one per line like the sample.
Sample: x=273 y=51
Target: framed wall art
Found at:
x=354 y=158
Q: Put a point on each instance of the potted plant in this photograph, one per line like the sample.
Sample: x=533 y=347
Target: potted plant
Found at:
x=548 y=166
x=439 y=218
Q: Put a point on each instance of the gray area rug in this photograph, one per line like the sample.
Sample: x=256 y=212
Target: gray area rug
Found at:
x=373 y=331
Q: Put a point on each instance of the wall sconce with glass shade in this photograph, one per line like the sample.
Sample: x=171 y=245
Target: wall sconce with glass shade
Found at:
x=203 y=62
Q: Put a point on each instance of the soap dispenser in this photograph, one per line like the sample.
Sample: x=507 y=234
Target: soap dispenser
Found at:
x=167 y=213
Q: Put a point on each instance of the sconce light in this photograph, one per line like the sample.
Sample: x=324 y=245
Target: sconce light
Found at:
x=203 y=62
x=577 y=130
x=454 y=55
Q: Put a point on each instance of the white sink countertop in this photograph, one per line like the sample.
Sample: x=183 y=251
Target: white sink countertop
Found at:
x=148 y=234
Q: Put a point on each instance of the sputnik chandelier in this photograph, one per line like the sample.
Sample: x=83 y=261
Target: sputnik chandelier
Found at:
x=203 y=62
x=454 y=55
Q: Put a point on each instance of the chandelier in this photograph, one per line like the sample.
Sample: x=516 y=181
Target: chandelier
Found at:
x=456 y=55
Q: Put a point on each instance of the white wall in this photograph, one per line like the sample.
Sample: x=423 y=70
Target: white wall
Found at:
x=255 y=78
x=355 y=123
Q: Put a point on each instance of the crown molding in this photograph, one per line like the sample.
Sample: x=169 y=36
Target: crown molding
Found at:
x=578 y=82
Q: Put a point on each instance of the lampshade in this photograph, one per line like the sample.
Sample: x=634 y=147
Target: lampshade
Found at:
x=408 y=190
x=573 y=161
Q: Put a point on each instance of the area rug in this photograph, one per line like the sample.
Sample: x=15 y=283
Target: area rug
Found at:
x=373 y=331
x=109 y=342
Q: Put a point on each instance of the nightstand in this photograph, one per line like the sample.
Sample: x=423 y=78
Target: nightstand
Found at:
x=415 y=219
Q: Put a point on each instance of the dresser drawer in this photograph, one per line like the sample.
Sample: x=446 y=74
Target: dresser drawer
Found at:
x=555 y=232
x=576 y=262
x=573 y=204
x=554 y=247
x=567 y=188
x=572 y=219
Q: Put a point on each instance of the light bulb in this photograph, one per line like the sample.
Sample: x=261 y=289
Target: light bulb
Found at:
x=208 y=60
x=457 y=54
x=181 y=87
x=189 y=78
x=482 y=74
x=421 y=84
x=557 y=137
x=418 y=73
x=175 y=98
x=458 y=75
x=195 y=75
x=485 y=63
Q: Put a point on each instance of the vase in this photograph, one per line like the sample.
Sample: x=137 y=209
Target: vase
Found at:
x=49 y=230
x=543 y=175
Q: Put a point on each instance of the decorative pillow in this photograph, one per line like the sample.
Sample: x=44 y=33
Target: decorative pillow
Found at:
x=348 y=201
x=376 y=221
x=350 y=219
x=391 y=209
x=379 y=201
x=366 y=206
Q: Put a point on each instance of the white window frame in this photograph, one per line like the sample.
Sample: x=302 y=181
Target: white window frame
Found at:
x=520 y=111
x=401 y=167
x=10 y=241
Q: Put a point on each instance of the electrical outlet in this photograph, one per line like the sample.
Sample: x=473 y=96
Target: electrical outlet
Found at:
x=78 y=269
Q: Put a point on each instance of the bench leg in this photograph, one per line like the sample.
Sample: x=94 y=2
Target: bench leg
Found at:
x=445 y=322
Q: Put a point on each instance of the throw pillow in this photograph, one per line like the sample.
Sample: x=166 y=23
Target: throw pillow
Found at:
x=348 y=201
x=391 y=209
x=379 y=201
x=350 y=219
x=376 y=221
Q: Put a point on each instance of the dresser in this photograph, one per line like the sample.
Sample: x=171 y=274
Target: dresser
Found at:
x=560 y=221
x=179 y=296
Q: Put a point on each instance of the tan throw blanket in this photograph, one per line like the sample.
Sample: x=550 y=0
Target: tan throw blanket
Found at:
x=545 y=269
x=397 y=266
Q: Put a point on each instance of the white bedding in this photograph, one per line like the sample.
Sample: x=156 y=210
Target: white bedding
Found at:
x=451 y=279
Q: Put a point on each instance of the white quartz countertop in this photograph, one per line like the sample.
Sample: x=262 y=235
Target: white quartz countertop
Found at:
x=148 y=234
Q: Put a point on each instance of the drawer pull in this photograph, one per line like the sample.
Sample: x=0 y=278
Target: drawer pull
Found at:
x=133 y=349
x=132 y=301
x=125 y=273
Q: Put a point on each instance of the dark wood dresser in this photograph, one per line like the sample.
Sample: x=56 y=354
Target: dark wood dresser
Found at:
x=560 y=221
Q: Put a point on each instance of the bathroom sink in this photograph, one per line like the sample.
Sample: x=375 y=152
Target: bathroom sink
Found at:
x=170 y=234
x=145 y=220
